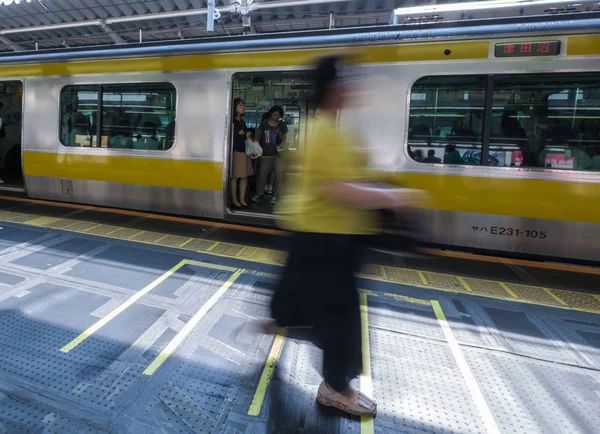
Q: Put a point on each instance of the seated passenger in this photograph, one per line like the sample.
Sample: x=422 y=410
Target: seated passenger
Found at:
x=582 y=160
x=431 y=158
x=123 y=140
x=151 y=143
x=79 y=134
x=170 y=135
x=452 y=156
x=421 y=133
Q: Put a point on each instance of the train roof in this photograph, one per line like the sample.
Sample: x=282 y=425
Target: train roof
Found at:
x=429 y=31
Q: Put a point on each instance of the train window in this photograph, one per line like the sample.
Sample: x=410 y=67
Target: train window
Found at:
x=548 y=121
x=138 y=116
x=446 y=119
x=133 y=116
x=79 y=114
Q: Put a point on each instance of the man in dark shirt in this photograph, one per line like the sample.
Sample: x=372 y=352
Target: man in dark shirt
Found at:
x=431 y=158
x=271 y=133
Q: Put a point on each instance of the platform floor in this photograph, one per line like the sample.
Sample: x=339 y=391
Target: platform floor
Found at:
x=128 y=324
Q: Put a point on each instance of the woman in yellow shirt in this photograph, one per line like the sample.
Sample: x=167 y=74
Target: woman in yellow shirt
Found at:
x=330 y=211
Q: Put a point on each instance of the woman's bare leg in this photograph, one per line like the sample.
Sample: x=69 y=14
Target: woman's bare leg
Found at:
x=234 y=192
x=243 y=186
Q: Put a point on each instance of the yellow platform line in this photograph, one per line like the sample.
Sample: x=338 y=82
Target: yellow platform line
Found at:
x=554 y=296
x=562 y=304
x=399 y=297
x=213 y=266
x=266 y=377
x=189 y=326
x=213 y=246
x=105 y=320
x=44 y=221
x=92 y=228
x=510 y=291
x=366 y=383
x=464 y=284
x=478 y=398
x=131 y=300
x=185 y=243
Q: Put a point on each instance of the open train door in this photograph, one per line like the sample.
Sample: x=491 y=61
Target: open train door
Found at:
x=11 y=114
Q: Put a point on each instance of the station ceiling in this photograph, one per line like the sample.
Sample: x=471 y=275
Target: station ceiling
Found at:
x=48 y=24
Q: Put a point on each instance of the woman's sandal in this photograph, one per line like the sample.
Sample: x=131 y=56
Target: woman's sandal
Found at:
x=363 y=406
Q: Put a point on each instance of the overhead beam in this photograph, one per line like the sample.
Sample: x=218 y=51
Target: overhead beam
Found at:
x=12 y=45
x=110 y=32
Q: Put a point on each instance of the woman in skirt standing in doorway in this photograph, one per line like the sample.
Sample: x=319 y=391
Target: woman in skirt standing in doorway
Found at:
x=242 y=164
x=332 y=211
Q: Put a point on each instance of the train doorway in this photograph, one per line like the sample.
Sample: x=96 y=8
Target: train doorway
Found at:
x=11 y=115
x=278 y=108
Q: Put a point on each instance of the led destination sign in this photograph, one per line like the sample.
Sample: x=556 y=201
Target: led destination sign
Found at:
x=528 y=49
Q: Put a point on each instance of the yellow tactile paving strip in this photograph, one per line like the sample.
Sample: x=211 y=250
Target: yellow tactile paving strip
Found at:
x=422 y=279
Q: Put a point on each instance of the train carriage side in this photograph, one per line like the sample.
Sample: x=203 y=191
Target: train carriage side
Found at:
x=533 y=120
x=164 y=135
x=161 y=146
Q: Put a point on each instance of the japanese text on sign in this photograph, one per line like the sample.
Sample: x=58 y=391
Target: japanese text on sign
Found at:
x=548 y=48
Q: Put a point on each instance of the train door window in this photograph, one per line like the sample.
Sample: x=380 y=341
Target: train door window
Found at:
x=292 y=93
x=292 y=120
x=11 y=111
x=446 y=119
x=547 y=121
x=79 y=114
x=138 y=116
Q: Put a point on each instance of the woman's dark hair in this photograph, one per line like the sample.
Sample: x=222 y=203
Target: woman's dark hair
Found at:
x=325 y=74
x=274 y=109
x=236 y=102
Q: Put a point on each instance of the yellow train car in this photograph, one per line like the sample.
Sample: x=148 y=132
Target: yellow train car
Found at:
x=499 y=121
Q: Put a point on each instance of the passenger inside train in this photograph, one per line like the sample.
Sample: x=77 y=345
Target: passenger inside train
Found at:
x=277 y=111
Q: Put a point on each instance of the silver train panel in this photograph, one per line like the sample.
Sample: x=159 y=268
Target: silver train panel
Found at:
x=182 y=201
x=200 y=135
x=574 y=240
x=201 y=111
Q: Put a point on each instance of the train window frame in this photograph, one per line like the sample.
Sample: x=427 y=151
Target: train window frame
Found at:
x=487 y=125
x=99 y=125
x=481 y=147
x=563 y=75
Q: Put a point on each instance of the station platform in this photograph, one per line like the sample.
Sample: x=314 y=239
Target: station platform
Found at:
x=124 y=322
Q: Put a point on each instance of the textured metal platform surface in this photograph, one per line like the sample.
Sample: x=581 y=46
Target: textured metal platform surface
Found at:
x=558 y=285
x=104 y=335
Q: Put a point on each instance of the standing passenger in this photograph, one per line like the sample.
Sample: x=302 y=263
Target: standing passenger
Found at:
x=242 y=164
x=330 y=213
x=271 y=132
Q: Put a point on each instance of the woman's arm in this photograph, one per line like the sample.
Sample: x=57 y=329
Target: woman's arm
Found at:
x=362 y=196
x=282 y=131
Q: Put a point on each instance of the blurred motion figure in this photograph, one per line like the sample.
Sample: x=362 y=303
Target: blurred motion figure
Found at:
x=331 y=212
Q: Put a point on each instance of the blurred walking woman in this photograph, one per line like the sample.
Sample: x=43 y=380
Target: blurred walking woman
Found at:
x=330 y=214
x=242 y=164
